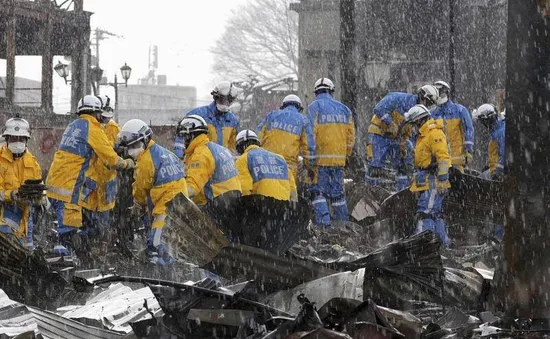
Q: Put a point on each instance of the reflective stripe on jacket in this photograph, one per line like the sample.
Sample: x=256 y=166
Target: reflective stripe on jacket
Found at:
x=391 y=108
x=210 y=170
x=265 y=173
x=333 y=129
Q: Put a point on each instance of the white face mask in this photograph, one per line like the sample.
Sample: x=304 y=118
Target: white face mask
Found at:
x=135 y=152
x=441 y=100
x=17 y=147
x=222 y=108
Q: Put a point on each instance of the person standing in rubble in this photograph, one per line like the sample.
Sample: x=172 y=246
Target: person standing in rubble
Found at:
x=458 y=126
x=17 y=165
x=222 y=123
x=495 y=123
x=212 y=179
x=334 y=134
x=70 y=179
x=388 y=139
x=158 y=178
x=289 y=133
x=431 y=178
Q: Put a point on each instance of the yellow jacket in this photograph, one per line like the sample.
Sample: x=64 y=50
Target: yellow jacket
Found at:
x=265 y=173
x=431 y=156
x=288 y=133
x=222 y=128
x=333 y=129
x=71 y=177
x=210 y=170
x=158 y=178
x=391 y=108
x=107 y=177
x=13 y=173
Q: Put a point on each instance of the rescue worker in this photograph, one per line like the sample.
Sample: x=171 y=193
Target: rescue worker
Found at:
x=388 y=143
x=431 y=178
x=267 y=214
x=334 y=134
x=158 y=178
x=288 y=133
x=212 y=179
x=70 y=179
x=17 y=165
x=495 y=123
x=222 y=123
x=262 y=172
x=458 y=126
x=107 y=177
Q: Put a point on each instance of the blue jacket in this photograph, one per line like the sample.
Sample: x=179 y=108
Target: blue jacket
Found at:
x=288 y=133
x=458 y=128
x=333 y=129
x=222 y=128
x=391 y=108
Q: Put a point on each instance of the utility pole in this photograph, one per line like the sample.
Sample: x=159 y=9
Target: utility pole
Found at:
x=452 y=29
x=522 y=281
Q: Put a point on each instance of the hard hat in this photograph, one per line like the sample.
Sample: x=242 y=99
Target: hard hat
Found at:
x=106 y=106
x=292 y=99
x=416 y=113
x=441 y=85
x=226 y=89
x=324 y=83
x=428 y=92
x=133 y=131
x=89 y=104
x=17 y=127
x=485 y=112
x=192 y=124
x=246 y=135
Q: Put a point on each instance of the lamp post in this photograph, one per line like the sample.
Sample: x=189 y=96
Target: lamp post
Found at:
x=62 y=70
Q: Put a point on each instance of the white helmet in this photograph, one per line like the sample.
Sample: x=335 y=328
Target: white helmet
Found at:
x=416 y=113
x=442 y=86
x=485 y=112
x=133 y=131
x=192 y=124
x=324 y=83
x=89 y=104
x=429 y=94
x=226 y=89
x=243 y=137
x=106 y=106
x=292 y=99
x=17 y=127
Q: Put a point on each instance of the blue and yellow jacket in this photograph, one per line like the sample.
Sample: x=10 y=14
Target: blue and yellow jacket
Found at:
x=222 y=128
x=496 y=148
x=431 y=157
x=210 y=170
x=71 y=177
x=13 y=173
x=265 y=173
x=391 y=108
x=459 y=129
x=288 y=133
x=333 y=129
x=158 y=178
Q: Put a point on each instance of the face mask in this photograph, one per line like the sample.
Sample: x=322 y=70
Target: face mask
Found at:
x=222 y=108
x=441 y=100
x=135 y=152
x=17 y=147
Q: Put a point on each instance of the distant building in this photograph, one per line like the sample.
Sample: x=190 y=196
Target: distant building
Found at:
x=27 y=92
x=155 y=104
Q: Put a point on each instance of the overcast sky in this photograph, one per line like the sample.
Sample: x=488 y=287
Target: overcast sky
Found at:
x=184 y=32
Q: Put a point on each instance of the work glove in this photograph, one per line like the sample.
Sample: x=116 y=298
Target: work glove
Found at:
x=468 y=157
x=441 y=187
x=15 y=196
x=137 y=210
x=393 y=129
x=125 y=164
x=310 y=173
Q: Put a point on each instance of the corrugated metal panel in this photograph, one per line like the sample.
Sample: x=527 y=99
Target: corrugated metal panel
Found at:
x=16 y=318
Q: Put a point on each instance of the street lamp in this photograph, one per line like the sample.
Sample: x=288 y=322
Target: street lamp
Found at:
x=62 y=70
x=126 y=71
